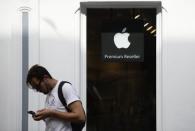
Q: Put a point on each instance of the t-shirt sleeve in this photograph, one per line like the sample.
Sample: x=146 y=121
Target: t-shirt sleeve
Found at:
x=69 y=93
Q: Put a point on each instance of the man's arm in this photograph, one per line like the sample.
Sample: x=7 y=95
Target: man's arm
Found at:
x=77 y=113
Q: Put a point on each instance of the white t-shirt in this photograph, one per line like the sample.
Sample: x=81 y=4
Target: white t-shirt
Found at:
x=53 y=102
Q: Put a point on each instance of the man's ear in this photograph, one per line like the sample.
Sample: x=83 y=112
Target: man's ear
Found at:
x=45 y=77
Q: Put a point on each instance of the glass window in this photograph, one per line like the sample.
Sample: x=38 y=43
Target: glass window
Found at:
x=121 y=69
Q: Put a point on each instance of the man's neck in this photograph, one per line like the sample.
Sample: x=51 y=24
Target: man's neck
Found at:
x=53 y=83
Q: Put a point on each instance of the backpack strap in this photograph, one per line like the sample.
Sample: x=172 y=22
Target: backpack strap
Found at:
x=60 y=94
x=75 y=126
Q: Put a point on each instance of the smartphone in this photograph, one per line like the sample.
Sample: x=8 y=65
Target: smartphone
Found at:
x=32 y=113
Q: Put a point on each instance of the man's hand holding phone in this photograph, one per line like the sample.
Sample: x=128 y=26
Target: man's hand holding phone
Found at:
x=35 y=116
x=32 y=113
x=41 y=114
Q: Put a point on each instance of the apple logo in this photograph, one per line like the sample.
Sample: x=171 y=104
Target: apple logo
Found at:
x=121 y=39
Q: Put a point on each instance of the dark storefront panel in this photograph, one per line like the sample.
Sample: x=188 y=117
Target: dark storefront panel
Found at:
x=121 y=72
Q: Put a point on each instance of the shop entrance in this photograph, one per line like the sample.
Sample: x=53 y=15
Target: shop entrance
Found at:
x=121 y=45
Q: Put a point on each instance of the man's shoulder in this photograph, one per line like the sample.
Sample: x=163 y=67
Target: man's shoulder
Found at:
x=65 y=82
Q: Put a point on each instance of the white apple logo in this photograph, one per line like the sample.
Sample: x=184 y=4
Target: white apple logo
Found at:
x=121 y=39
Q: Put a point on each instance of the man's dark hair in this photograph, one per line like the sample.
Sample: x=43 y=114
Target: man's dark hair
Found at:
x=38 y=72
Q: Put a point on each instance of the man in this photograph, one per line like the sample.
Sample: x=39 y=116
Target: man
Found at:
x=55 y=115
